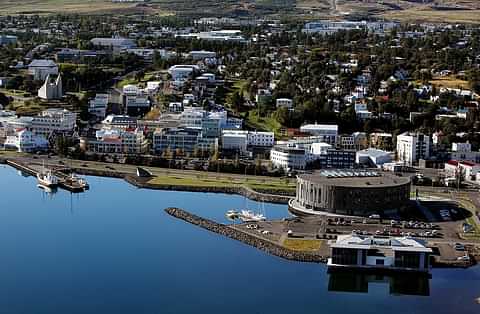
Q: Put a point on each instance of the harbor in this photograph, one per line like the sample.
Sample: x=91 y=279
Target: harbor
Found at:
x=62 y=177
x=127 y=250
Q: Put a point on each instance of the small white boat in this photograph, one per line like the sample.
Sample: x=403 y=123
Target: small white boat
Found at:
x=248 y=216
x=47 y=179
x=232 y=214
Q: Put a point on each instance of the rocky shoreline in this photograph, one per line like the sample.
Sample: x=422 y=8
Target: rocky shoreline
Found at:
x=259 y=243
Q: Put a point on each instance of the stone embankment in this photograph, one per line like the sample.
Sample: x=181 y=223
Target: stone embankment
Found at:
x=242 y=190
x=259 y=243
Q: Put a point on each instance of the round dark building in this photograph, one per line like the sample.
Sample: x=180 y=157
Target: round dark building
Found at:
x=351 y=192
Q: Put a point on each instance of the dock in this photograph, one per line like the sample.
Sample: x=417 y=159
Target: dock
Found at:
x=64 y=180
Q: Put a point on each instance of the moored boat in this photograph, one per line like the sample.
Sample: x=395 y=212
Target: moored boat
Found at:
x=47 y=179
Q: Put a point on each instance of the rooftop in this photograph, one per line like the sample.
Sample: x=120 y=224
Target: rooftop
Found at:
x=355 y=241
x=355 y=178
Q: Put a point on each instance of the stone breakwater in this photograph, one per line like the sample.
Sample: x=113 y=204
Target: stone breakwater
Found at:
x=259 y=243
x=241 y=190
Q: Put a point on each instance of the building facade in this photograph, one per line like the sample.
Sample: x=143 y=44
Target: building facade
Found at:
x=328 y=133
x=288 y=158
x=116 y=141
x=397 y=253
x=411 y=147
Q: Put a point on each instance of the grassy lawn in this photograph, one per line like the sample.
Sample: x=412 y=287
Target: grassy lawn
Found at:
x=203 y=181
x=302 y=244
x=263 y=123
x=474 y=235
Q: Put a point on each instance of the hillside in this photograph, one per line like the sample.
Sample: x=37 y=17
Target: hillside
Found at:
x=405 y=10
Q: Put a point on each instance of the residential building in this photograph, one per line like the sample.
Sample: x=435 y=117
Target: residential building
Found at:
x=136 y=101
x=52 y=89
x=26 y=141
x=116 y=43
x=413 y=146
x=468 y=171
x=263 y=96
x=53 y=121
x=381 y=140
x=359 y=251
x=337 y=159
x=327 y=132
x=234 y=141
x=117 y=141
x=184 y=139
x=463 y=152
x=182 y=72
x=284 y=103
x=373 y=157
x=288 y=158
x=98 y=106
x=119 y=122
x=346 y=141
x=202 y=54
x=360 y=140
x=7 y=39
x=40 y=69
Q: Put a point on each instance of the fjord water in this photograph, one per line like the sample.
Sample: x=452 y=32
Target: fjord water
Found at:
x=114 y=250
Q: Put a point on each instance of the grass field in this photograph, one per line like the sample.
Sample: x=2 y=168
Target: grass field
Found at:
x=61 y=6
x=435 y=16
x=302 y=244
x=449 y=82
x=203 y=181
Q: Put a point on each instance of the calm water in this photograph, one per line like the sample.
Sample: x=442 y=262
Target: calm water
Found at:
x=114 y=250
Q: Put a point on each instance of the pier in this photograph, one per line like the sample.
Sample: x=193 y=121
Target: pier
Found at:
x=64 y=179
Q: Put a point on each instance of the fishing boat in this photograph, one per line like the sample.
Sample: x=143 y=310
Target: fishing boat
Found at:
x=77 y=182
x=47 y=178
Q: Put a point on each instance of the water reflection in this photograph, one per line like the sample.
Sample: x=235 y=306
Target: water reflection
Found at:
x=398 y=284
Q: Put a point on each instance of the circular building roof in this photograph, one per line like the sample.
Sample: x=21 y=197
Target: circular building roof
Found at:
x=355 y=178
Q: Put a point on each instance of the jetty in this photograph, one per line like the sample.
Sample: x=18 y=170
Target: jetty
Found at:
x=65 y=180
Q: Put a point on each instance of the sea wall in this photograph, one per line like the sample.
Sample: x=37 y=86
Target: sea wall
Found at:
x=259 y=243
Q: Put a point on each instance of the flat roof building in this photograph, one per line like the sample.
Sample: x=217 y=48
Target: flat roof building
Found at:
x=369 y=252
